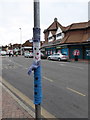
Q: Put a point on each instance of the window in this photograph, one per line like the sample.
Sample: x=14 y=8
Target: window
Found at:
x=59 y=34
x=50 y=37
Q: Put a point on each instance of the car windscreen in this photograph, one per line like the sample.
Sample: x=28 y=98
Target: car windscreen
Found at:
x=56 y=54
x=63 y=54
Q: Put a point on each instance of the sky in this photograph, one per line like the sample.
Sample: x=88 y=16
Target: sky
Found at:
x=15 y=14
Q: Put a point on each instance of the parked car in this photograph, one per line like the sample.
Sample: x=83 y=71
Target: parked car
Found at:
x=9 y=52
x=58 y=56
x=3 y=53
x=43 y=56
x=28 y=54
x=31 y=55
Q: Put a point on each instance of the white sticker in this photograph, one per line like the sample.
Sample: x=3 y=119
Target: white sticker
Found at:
x=36 y=51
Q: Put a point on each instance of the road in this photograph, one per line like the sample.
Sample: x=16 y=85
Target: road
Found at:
x=65 y=84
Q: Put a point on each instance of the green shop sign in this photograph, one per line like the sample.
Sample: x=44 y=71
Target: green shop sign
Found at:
x=58 y=47
x=50 y=48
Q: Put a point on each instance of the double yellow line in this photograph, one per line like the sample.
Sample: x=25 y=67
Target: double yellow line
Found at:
x=27 y=100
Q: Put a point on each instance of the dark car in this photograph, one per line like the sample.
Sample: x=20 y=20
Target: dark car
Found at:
x=43 y=56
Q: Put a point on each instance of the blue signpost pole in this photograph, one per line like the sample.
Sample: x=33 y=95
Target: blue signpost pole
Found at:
x=37 y=60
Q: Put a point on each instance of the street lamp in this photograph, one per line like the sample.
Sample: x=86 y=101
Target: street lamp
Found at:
x=21 y=40
x=37 y=60
x=36 y=66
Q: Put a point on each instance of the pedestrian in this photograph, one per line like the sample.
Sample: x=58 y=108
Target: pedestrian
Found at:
x=16 y=54
x=9 y=54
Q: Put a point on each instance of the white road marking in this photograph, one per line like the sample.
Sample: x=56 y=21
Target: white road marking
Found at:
x=14 y=66
x=47 y=79
x=14 y=62
x=26 y=68
x=62 y=64
x=71 y=66
x=17 y=64
x=76 y=91
x=77 y=67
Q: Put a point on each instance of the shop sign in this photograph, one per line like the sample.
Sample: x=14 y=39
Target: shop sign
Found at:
x=61 y=47
x=64 y=46
x=76 y=52
x=58 y=47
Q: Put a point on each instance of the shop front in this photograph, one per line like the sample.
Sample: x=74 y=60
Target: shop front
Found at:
x=62 y=49
x=81 y=51
x=56 y=49
x=76 y=50
x=50 y=50
x=87 y=52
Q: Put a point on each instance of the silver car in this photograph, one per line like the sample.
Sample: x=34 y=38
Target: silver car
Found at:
x=3 y=53
x=28 y=55
x=58 y=56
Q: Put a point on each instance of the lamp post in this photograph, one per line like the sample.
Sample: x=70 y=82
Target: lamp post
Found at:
x=36 y=66
x=21 y=40
x=37 y=60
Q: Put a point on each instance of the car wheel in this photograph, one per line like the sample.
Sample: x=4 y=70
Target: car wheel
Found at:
x=59 y=59
x=48 y=58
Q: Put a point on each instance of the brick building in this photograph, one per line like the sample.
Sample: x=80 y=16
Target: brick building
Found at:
x=68 y=40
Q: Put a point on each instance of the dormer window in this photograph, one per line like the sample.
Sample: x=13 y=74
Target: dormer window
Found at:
x=59 y=34
x=50 y=37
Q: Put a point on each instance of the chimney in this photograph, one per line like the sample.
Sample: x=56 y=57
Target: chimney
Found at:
x=55 y=19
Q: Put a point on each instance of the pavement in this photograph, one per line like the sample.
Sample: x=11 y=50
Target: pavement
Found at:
x=11 y=108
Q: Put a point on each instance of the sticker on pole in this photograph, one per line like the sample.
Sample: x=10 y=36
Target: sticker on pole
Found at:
x=36 y=51
x=76 y=52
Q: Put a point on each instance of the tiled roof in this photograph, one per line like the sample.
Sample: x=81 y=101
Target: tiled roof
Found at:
x=54 y=26
x=74 y=36
x=27 y=43
x=81 y=25
x=16 y=45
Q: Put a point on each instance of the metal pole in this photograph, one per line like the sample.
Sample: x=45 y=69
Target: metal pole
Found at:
x=21 y=39
x=38 y=111
x=37 y=60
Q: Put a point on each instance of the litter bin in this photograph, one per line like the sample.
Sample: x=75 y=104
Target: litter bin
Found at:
x=76 y=57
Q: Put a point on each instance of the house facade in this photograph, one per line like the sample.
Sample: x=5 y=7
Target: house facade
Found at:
x=27 y=46
x=71 y=40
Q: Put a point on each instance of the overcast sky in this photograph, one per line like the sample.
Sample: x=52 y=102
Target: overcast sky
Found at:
x=15 y=14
